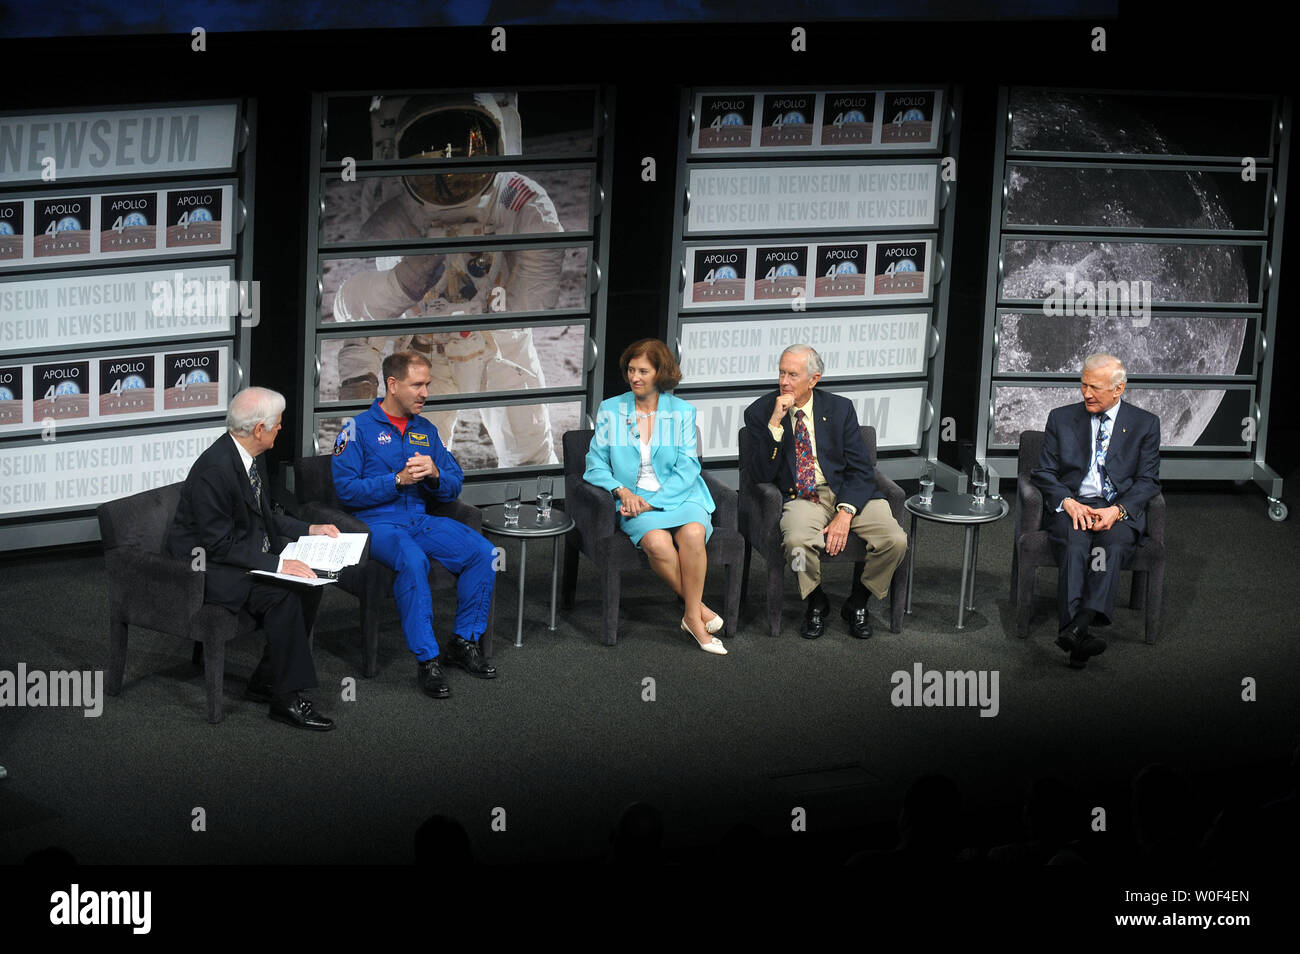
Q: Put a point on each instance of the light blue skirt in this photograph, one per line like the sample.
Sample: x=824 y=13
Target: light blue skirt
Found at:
x=637 y=527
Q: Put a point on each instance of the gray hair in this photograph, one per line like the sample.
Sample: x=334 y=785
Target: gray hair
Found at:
x=813 y=362
x=1100 y=360
x=252 y=406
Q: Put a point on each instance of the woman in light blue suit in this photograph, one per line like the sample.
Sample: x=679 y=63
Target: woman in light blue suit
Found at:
x=643 y=453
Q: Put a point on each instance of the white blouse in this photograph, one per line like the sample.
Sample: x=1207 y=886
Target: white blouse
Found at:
x=645 y=475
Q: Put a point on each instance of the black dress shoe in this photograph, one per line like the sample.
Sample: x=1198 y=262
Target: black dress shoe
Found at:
x=429 y=675
x=1090 y=645
x=298 y=713
x=1086 y=646
x=469 y=657
x=1069 y=638
x=814 y=620
x=855 y=614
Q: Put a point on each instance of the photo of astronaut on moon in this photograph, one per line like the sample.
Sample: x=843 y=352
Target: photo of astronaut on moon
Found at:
x=440 y=292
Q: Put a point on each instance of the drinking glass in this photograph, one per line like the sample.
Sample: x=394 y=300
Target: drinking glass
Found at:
x=979 y=485
x=513 y=492
x=545 y=494
x=927 y=484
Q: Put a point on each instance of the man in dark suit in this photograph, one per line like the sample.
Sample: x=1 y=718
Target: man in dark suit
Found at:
x=225 y=512
x=825 y=474
x=1099 y=468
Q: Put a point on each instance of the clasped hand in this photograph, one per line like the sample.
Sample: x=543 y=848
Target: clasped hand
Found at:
x=630 y=504
x=1090 y=518
x=418 y=467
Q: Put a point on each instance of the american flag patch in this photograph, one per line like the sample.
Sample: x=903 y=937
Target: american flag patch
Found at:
x=517 y=194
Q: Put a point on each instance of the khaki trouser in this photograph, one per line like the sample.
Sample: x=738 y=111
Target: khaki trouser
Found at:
x=802 y=522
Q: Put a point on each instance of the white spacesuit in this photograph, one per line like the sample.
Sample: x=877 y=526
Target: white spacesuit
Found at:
x=442 y=285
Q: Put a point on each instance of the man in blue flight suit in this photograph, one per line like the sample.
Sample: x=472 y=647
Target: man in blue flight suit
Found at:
x=385 y=468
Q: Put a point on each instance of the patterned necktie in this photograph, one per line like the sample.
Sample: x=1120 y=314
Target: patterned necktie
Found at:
x=805 y=476
x=1103 y=444
x=255 y=479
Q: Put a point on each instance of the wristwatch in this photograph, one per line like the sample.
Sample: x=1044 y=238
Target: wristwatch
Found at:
x=398 y=477
x=1123 y=514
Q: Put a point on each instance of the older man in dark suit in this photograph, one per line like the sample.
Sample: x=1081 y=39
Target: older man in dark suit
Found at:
x=812 y=449
x=225 y=512
x=1099 y=468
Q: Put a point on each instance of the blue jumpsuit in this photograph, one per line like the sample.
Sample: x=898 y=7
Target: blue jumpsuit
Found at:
x=367 y=456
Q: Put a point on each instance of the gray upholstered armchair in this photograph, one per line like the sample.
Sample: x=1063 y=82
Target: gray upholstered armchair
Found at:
x=148 y=587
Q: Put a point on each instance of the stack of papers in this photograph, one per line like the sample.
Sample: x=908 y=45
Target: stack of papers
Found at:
x=323 y=554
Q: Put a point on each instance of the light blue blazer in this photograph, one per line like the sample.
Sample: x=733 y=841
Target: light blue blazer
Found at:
x=615 y=455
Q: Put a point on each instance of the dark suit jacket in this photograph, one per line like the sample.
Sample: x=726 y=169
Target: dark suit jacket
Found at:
x=218 y=512
x=841 y=453
x=1132 y=460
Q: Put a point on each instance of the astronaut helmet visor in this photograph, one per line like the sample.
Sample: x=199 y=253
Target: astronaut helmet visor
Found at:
x=450 y=134
x=449 y=188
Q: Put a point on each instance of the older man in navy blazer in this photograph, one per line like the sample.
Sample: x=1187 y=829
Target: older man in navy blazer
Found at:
x=825 y=474
x=1099 y=468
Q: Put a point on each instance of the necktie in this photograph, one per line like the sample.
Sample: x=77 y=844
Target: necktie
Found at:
x=255 y=479
x=805 y=479
x=1103 y=444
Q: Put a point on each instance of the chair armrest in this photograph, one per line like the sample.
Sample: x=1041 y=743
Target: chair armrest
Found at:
x=1029 y=504
x=894 y=494
x=320 y=513
x=147 y=587
x=459 y=511
x=1156 y=521
x=725 y=506
x=592 y=510
x=760 y=507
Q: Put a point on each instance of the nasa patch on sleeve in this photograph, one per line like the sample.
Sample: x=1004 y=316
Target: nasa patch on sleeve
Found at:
x=341 y=442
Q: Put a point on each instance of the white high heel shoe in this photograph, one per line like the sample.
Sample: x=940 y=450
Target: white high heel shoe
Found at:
x=712 y=646
x=713 y=625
